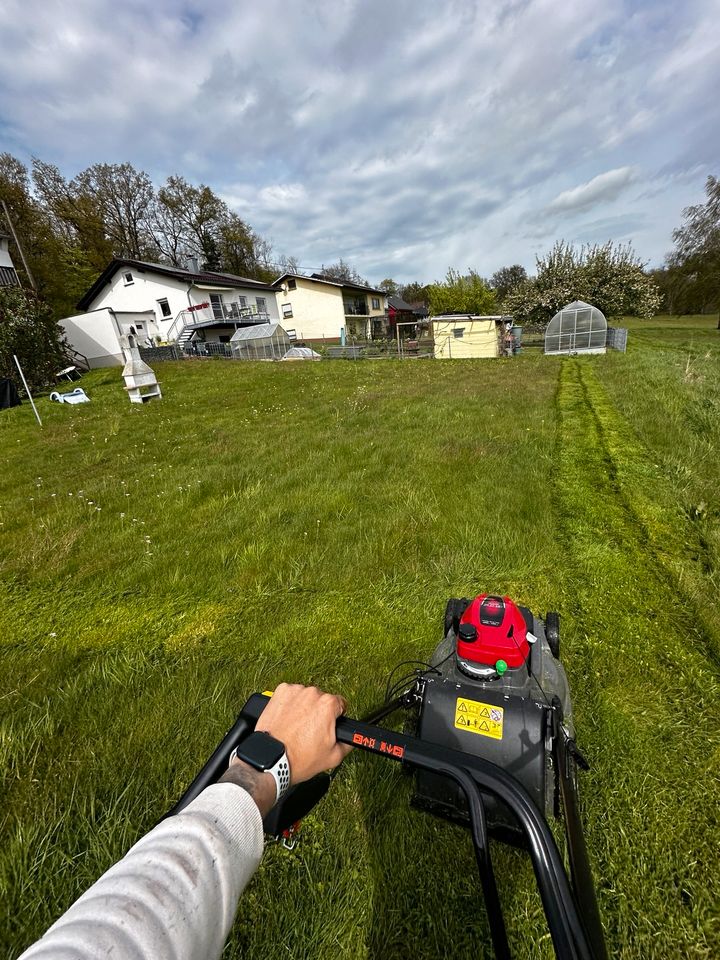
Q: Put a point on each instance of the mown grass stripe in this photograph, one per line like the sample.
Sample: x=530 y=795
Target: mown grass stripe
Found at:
x=650 y=708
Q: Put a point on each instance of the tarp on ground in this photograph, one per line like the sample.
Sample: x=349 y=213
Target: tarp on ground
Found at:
x=301 y=353
x=8 y=394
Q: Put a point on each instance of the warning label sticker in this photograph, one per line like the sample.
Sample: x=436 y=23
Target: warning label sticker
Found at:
x=476 y=717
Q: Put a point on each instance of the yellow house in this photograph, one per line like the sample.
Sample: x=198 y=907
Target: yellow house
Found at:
x=318 y=308
x=459 y=337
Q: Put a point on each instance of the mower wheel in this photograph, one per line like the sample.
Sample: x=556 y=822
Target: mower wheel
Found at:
x=552 y=633
x=453 y=611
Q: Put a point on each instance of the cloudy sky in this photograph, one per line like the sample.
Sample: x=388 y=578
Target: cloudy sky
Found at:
x=405 y=136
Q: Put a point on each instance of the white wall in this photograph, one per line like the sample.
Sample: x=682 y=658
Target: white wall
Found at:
x=143 y=294
x=5 y=259
x=317 y=310
x=148 y=288
x=95 y=336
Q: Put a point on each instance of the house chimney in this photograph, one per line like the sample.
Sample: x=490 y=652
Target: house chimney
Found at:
x=192 y=265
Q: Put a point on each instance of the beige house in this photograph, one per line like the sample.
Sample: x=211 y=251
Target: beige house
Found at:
x=318 y=308
x=458 y=337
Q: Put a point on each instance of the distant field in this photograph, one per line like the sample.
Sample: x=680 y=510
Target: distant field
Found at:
x=308 y=522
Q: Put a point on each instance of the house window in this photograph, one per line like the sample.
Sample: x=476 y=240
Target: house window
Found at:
x=287 y=310
x=261 y=304
x=164 y=307
x=128 y=279
x=292 y=283
x=376 y=303
x=139 y=326
x=242 y=301
x=458 y=332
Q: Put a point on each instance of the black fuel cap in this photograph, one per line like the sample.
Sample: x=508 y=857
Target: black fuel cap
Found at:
x=467 y=633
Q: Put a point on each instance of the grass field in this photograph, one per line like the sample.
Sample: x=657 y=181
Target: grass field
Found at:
x=308 y=522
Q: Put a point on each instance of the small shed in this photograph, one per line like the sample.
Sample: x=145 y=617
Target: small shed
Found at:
x=262 y=341
x=465 y=336
x=577 y=328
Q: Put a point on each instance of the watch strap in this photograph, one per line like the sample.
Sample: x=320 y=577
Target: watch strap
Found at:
x=280 y=773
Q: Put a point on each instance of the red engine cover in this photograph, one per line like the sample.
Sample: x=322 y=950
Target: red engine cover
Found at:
x=502 y=632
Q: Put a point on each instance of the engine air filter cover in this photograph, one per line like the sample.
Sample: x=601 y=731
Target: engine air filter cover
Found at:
x=501 y=632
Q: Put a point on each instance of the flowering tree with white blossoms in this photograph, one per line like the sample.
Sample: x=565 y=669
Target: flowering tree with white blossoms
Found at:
x=609 y=276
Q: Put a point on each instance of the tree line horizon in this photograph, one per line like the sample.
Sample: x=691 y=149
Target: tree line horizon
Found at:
x=71 y=229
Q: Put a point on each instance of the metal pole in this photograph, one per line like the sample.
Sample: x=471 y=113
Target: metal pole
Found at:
x=27 y=389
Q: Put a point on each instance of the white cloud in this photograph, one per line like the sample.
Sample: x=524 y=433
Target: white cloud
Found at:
x=404 y=137
x=601 y=189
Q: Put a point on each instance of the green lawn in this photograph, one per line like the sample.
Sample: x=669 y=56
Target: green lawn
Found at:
x=308 y=522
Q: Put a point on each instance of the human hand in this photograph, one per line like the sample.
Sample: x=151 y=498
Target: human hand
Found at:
x=303 y=718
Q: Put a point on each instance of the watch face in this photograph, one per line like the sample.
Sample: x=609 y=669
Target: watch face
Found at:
x=261 y=751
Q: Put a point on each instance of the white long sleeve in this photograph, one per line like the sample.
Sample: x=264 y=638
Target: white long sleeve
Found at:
x=173 y=896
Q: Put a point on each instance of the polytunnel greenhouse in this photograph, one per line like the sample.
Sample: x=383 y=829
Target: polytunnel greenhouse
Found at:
x=263 y=341
x=577 y=328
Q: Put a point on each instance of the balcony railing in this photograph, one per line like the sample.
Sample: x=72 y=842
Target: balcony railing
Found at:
x=213 y=313
x=356 y=308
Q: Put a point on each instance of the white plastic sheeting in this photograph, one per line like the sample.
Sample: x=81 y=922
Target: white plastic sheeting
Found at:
x=577 y=328
x=301 y=353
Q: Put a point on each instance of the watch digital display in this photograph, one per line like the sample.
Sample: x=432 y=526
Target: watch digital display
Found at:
x=261 y=751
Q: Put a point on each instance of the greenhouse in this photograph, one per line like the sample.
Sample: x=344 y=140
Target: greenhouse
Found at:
x=577 y=328
x=262 y=341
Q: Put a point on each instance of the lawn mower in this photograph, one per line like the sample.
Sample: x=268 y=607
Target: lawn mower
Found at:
x=489 y=740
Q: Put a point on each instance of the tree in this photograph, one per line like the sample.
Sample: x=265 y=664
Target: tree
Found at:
x=609 y=276
x=414 y=292
x=461 y=294
x=194 y=221
x=696 y=259
x=506 y=279
x=59 y=264
x=28 y=330
x=341 y=271
x=287 y=265
x=70 y=230
x=389 y=286
x=122 y=198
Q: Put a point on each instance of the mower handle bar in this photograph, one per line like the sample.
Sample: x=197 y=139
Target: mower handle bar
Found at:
x=472 y=774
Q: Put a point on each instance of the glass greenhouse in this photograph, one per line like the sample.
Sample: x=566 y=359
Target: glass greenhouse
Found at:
x=262 y=341
x=577 y=328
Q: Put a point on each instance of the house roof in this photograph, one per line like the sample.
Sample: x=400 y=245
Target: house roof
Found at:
x=166 y=270
x=397 y=303
x=319 y=278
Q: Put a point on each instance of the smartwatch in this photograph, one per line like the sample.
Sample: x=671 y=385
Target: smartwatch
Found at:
x=265 y=753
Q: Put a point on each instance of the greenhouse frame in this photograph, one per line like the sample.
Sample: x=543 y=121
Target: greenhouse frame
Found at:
x=577 y=328
x=262 y=341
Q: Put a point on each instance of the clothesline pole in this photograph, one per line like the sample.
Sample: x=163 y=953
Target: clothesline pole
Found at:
x=27 y=389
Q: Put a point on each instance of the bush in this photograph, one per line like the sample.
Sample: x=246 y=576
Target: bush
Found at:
x=28 y=330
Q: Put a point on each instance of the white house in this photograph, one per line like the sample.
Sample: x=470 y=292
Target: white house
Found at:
x=319 y=308
x=8 y=275
x=162 y=303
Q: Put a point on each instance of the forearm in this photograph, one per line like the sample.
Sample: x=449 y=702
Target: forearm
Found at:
x=174 y=895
